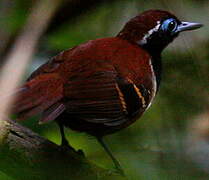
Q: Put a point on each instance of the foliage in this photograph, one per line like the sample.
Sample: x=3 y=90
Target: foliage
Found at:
x=154 y=147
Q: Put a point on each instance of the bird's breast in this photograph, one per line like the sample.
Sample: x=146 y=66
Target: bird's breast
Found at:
x=138 y=82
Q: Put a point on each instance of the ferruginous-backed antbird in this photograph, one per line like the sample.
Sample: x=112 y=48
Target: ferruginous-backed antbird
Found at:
x=103 y=85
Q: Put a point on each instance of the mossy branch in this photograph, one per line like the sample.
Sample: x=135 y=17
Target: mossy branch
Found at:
x=25 y=155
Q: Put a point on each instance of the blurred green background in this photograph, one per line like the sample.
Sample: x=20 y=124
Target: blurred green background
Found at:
x=161 y=144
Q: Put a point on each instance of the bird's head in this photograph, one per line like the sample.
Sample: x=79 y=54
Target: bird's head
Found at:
x=154 y=30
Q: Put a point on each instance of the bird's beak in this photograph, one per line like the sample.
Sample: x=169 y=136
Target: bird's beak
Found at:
x=187 y=26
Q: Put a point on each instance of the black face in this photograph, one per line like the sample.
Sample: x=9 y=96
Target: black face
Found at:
x=163 y=33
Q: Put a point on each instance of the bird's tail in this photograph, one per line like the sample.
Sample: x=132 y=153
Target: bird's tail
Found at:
x=40 y=95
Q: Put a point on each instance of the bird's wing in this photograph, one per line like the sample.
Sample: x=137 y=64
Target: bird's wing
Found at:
x=96 y=98
x=90 y=89
x=98 y=94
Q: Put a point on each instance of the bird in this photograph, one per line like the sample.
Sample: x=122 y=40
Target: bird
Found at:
x=102 y=86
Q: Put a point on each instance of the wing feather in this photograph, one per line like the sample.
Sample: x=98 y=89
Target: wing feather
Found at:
x=52 y=112
x=95 y=100
x=38 y=95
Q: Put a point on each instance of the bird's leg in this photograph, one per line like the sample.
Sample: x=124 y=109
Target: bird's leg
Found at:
x=115 y=161
x=64 y=141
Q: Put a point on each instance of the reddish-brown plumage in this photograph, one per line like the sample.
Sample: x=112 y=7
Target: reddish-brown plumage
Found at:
x=75 y=77
x=103 y=85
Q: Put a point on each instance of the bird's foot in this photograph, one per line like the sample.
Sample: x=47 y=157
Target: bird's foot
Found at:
x=66 y=146
x=81 y=153
x=116 y=171
x=120 y=171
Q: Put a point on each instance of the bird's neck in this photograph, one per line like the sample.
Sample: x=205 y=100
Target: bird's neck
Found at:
x=157 y=67
x=154 y=51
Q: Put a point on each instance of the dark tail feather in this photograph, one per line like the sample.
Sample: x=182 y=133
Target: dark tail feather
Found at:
x=52 y=113
x=37 y=96
x=26 y=100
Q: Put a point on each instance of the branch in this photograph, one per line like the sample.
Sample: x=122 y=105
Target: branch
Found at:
x=25 y=155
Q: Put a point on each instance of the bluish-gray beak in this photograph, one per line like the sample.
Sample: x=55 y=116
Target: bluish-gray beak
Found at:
x=187 y=26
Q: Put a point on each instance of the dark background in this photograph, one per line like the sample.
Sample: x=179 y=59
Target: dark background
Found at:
x=171 y=140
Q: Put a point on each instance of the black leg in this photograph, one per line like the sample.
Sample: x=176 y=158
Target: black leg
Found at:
x=116 y=163
x=64 y=141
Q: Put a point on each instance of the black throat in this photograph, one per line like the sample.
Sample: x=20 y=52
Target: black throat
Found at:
x=157 y=66
x=155 y=51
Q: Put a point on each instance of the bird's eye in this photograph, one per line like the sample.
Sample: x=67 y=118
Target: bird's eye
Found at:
x=169 y=25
